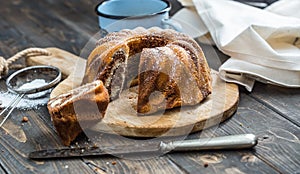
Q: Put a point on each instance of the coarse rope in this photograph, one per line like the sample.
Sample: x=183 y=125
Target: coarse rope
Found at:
x=6 y=64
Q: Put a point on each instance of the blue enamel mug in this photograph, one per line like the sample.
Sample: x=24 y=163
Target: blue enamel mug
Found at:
x=115 y=15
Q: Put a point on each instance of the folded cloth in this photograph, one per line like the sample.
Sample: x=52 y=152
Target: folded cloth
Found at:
x=191 y=22
x=263 y=46
x=187 y=3
x=286 y=8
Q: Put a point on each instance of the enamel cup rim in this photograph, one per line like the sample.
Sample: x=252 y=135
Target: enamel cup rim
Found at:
x=111 y=16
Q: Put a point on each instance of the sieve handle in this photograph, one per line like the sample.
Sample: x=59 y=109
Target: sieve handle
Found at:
x=12 y=105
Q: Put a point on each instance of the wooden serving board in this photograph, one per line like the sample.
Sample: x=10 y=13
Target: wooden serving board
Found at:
x=122 y=119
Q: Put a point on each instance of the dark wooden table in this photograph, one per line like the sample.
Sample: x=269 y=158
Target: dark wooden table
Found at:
x=270 y=112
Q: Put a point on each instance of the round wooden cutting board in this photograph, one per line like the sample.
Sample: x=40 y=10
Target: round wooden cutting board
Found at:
x=122 y=119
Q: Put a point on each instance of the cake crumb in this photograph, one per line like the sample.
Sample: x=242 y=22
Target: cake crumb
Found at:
x=205 y=165
x=25 y=119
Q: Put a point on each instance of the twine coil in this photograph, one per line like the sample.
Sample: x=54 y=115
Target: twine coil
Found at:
x=6 y=64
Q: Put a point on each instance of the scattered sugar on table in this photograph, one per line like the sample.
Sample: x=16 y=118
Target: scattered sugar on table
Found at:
x=30 y=101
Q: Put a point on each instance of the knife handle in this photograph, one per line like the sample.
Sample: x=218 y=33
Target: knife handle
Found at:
x=225 y=142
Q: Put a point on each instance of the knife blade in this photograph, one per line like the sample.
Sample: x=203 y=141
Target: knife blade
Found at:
x=241 y=141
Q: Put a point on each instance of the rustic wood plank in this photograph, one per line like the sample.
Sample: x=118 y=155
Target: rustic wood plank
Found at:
x=146 y=163
x=221 y=162
x=25 y=27
x=2 y=169
x=116 y=165
x=279 y=143
x=80 y=19
x=284 y=101
x=43 y=33
x=84 y=25
x=242 y=161
x=231 y=161
x=278 y=146
x=62 y=28
x=9 y=37
x=18 y=139
x=80 y=14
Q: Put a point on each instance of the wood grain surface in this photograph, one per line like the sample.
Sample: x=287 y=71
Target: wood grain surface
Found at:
x=278 y=137
x=285 y=102
x=270 y=112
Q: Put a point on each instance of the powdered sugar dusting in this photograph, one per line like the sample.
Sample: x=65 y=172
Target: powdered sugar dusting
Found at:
x=26 y=102
x=36 y=83
x=30 y=101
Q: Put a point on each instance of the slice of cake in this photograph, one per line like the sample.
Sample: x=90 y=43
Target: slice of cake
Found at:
x=78 y=109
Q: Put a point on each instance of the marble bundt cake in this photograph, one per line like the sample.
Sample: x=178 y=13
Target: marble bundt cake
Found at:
x=169 y=67
x=78 y=109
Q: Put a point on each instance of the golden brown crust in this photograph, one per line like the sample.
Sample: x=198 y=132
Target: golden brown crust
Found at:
x=168 y=82
x=197 y=55
x=192 y=64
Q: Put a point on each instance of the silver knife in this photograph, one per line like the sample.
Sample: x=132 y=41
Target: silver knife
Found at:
x=241 y=141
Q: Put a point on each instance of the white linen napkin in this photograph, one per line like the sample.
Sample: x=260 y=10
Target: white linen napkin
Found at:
x=286 y=8
x=191 y=22
x=263 y=45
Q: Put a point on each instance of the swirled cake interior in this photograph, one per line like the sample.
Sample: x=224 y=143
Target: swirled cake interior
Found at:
x=169 y=68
